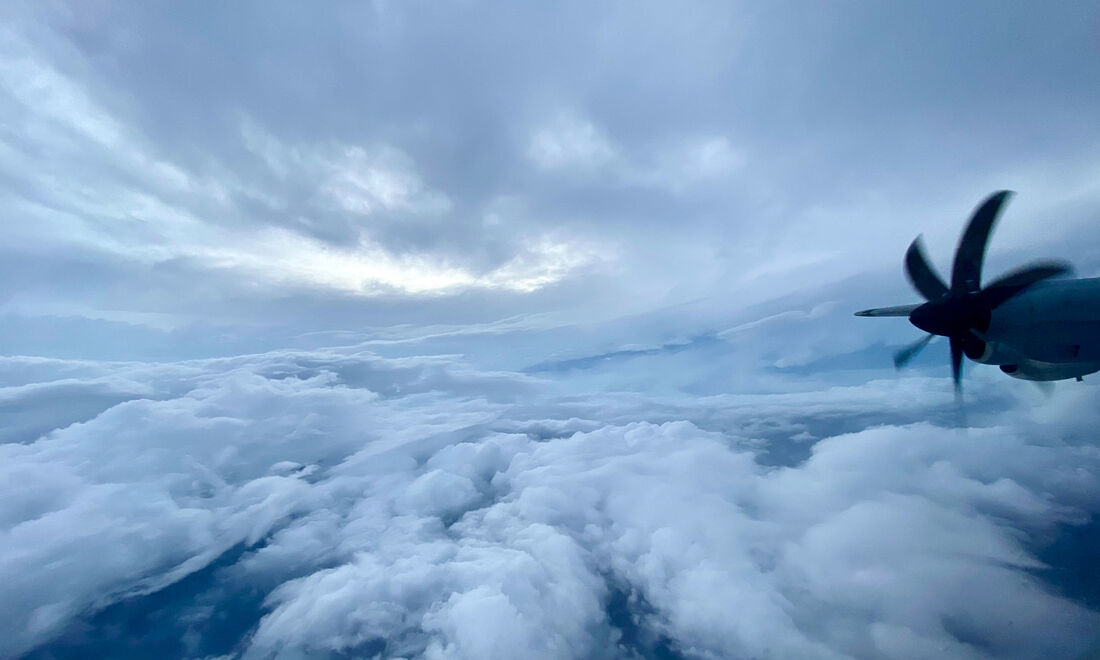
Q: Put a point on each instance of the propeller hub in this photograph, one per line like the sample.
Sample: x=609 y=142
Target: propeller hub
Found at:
x=952 y=316
x=930 y=319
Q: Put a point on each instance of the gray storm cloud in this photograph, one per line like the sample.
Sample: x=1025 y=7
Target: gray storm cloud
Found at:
x=172 y=167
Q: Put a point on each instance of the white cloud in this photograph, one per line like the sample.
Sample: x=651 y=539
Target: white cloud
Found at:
x=571 y=142
x=176 y=213
x=361 y=184
x=422 y=508
x=576 y=146
x=697 y=161
x=352 y=178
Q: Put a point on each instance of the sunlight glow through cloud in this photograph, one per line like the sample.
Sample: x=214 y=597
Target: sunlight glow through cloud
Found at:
x=283 y=256
x=151 y=227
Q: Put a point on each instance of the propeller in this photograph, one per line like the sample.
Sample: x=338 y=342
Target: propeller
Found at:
x=902 y=357
x=962 y=311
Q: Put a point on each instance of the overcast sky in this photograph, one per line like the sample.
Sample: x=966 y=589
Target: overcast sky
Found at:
x=473 y=330
x=272 y=166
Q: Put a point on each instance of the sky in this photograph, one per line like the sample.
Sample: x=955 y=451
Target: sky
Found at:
x=474 y=329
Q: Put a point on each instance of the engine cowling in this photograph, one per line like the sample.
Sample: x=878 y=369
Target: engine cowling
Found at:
x=1036 y=370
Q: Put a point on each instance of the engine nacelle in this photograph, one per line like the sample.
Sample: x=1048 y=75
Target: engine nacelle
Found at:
x=997 y=353
x=1036 y=370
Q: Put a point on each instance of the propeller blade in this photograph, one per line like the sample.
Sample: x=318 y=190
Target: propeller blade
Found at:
x=920 y=273
x=956 y=364
x=966 y=273
x=902 y=357
x=900 y=310
x=1017 y=281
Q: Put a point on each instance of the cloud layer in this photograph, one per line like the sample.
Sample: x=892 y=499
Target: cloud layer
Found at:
x=337 y=504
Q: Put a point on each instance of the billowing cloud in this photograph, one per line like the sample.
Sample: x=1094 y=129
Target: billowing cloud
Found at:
x=416 y=507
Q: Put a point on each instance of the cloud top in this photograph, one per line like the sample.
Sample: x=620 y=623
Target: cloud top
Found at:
x=415 y=507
